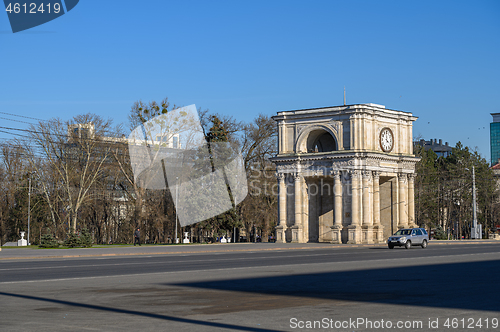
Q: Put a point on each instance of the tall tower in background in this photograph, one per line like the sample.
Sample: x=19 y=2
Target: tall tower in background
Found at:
x=495 y=138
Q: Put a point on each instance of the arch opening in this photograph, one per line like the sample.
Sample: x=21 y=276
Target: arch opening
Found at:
x=321 y=141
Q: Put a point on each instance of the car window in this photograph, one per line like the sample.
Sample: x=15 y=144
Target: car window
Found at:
x=418 y=231
x=424 y=231
x=403 y=232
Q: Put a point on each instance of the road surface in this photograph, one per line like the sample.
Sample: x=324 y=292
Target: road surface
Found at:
x=252 y=287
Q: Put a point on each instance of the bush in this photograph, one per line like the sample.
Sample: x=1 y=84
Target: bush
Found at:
x=72 y=241
x=440 y=234
x=48 y=241
x=85 y=238
x=82 y=240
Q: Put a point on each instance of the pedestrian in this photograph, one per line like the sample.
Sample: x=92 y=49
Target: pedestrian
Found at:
x=137 y=236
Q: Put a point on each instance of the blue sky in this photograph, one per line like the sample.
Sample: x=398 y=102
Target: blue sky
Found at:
x=436 y=59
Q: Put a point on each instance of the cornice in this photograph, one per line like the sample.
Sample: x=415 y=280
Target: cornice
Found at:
x=340 y=111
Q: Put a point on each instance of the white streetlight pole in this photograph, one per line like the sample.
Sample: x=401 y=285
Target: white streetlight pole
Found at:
x=176 y=206
x=29 y=206
x=474 y=222
x=474 y=231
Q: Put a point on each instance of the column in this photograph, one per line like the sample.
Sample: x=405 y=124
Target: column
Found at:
x=411 y=200
x=367 y=210
x=403 y=194
x=304 y=210
x=337 y=182
x=367 y=216
x=337 y=204
x=354 y=229
x=281 y=228
x=378 y=230
x=376 y=198
x=297 y=227
x=355 y=198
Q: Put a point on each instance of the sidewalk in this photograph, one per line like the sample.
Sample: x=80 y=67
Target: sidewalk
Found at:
x=130 y=250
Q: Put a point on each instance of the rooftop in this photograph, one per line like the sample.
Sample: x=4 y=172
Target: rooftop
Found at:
x=496 y=117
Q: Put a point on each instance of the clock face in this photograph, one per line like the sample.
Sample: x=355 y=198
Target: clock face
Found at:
x=386 y=140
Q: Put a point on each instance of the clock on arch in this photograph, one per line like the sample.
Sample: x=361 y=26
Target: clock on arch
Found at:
x=386 y=140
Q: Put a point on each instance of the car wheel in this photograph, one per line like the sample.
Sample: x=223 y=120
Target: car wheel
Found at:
x=408 y=244
x=424 y=244
x=391 y=246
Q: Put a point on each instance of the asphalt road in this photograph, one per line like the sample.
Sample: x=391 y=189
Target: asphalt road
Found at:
x=260 y=288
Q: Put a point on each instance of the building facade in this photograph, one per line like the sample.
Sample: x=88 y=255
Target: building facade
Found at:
x=441 y=150
x=345 y=173
x=495 y=138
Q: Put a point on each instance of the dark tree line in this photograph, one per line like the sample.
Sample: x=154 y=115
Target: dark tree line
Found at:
x=443 y=192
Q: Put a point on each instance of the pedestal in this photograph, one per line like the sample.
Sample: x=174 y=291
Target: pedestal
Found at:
x=280 y=234
x=296 y=234
x=378 y=234
x=354 y=234
x=367 y=232
x=336 y=234
x=185 y=240
x=22 y=242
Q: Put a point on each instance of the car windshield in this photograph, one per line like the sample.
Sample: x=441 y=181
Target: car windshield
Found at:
x=403 y=232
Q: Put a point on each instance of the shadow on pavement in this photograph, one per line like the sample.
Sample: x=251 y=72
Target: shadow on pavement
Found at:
x=456 y=285
x=138 y=313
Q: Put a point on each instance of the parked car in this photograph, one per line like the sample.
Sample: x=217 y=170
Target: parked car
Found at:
x=409 y=237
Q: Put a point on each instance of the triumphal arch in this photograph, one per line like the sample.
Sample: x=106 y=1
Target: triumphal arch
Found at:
x=345 y=173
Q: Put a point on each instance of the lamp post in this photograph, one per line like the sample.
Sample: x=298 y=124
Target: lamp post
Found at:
x=176 y=206
x=29 y=206
x=474 y=230
x=474 y=222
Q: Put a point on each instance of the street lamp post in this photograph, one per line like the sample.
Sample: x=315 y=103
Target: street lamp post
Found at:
x=474 y=222
x=474 y=231
x=29 y=206
x=176 y=206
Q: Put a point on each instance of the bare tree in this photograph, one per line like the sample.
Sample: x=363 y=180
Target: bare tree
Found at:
x=77 y=152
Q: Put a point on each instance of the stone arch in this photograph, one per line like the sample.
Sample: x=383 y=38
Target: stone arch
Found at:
x=317 y=138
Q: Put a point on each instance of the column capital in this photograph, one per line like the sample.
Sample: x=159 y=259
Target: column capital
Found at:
x=336 y=173
x=412 y=176
x=280 y=176
x=403 y=177
x=376 y=175
x=297 y=176
x=367 y=175
x=355 y=174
